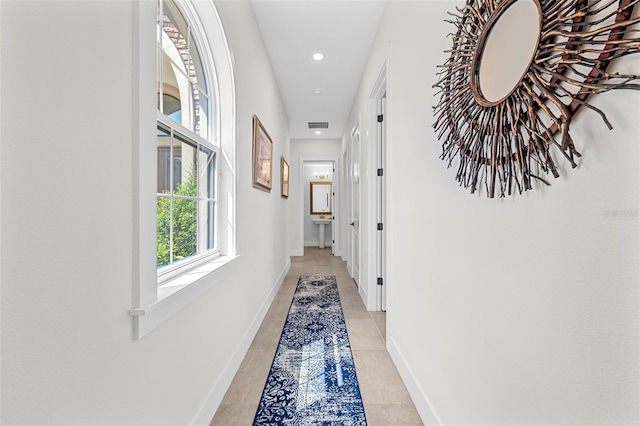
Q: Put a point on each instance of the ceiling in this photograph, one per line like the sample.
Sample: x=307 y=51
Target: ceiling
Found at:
x=293 y=30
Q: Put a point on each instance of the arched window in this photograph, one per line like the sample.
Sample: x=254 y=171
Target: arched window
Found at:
x=185 y=125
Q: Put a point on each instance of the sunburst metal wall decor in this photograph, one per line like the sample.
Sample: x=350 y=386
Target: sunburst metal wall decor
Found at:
x=508 y=143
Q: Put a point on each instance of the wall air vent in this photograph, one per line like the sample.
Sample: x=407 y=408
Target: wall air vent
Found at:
x=318 y=125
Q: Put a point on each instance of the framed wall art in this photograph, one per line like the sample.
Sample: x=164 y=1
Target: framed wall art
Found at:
x=262 y=156
x=284 y=178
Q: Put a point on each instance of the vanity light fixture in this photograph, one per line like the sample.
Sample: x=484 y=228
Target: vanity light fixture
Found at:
x=322 y=175
x=318 y=56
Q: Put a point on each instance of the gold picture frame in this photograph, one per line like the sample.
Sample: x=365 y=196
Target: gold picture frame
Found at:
x=284 y=178
x=262 y=156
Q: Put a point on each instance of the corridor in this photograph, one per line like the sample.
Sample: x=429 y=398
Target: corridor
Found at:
x=385 y=398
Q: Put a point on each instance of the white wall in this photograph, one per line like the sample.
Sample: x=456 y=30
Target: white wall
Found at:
x=515 y=311
x=307 y=149
x=68 y=356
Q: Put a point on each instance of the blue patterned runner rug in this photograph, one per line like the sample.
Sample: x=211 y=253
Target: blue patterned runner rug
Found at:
x=313 y=380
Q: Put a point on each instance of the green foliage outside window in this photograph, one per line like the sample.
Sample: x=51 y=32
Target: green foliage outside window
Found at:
x=185 y=223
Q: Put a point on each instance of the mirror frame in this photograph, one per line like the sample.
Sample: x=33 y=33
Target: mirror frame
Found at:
x=476 y=89
x=508 y=146
x=311 y=184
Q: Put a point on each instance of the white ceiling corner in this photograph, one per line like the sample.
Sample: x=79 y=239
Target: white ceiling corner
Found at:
x=343 y=30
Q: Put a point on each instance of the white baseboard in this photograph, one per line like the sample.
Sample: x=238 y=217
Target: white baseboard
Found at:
x=316 y=243
x=420 y=400
x=216 y=394
x=363 y=295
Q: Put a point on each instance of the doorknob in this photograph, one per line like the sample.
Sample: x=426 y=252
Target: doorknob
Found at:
x=352 y=223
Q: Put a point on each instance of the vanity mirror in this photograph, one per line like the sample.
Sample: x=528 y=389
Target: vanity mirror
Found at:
x=321 y=198
x=518 y=71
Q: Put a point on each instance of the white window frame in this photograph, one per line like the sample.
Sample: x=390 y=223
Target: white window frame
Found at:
x=167 y=272
x=153 y=304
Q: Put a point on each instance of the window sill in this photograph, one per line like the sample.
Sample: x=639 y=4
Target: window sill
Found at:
x=176 y=293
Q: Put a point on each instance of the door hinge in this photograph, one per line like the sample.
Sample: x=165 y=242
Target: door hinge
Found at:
x=380 y=118
x=380 y=172
x=380 y=226
x=380 y=281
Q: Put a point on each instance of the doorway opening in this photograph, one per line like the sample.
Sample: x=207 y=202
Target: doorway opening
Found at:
x=319 y=206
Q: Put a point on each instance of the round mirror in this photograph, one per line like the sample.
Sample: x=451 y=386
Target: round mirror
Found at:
x=505 y=50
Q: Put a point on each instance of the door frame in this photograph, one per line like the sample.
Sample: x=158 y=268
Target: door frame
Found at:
x=357 y=199
x=377 y=294
x=335 y=201
x=343 y=245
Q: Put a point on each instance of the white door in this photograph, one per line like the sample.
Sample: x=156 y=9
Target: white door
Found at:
x=355 y=204
x=334 y=209
x=380 y=206
x=345 y=229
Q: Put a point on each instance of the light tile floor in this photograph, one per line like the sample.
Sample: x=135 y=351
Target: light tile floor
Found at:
x=385 y=398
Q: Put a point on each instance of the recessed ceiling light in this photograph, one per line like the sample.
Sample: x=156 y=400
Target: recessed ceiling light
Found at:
x=318 y=132
x=317 y=92
x=318 y=56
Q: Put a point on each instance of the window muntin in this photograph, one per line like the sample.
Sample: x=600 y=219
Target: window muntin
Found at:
x=186 y=160
x=186 y=198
